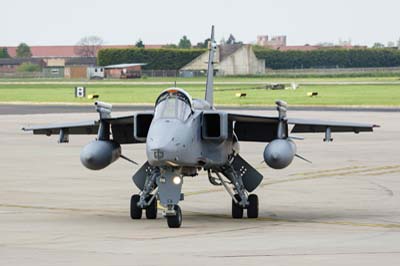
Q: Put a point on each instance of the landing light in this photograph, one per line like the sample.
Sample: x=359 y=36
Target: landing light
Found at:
x=177 y=180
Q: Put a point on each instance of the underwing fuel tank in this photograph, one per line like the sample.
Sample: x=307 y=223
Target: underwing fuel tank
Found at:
x=99 y=154
x=279 y=153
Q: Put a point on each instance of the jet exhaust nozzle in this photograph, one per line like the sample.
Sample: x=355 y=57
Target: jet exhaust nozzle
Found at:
x=279 y=153
x=99 y=154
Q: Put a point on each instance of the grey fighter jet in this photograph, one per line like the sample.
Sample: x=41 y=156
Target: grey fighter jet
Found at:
x=184 y=136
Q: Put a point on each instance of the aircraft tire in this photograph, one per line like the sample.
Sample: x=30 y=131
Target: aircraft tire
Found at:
x=136 y=211
x=151 y=210
x=252 y=209
x=175 y=221
x=237 y=210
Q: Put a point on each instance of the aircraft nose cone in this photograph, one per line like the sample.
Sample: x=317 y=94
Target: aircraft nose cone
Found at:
x=165 y=141
x=88 y=157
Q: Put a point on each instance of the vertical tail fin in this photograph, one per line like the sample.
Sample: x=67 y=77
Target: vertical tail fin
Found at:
x=210 y=70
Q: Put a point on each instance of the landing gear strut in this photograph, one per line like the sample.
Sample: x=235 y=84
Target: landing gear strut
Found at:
x=240 y=198
x=145 y=200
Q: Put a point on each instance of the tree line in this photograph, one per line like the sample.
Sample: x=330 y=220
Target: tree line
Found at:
x=329 y=58
x=157 y=59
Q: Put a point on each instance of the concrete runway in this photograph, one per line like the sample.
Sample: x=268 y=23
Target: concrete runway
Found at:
x=344 y=209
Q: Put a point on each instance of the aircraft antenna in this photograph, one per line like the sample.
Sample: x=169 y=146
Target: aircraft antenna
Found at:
x=212 y=47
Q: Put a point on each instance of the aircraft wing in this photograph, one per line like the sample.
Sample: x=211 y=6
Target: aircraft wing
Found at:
x=122 y=129
x=264 y=128
x=254 y=128
x=314 y=126
x=87 y=127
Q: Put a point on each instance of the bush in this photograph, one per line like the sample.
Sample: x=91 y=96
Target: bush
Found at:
x=157 y=59
x=329 y=58
x=4 y=53
x=28 y=67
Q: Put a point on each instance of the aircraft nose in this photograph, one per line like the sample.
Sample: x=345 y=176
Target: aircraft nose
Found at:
x=165 y=141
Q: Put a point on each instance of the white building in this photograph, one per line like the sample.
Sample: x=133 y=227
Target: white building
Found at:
x=232 y=59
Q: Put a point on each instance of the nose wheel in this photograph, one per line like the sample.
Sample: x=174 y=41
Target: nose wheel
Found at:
x=175 y=221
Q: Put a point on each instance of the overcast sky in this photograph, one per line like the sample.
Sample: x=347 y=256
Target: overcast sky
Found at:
x=52 y=22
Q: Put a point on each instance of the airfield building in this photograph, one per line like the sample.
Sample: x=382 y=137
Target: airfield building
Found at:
x=230 y=59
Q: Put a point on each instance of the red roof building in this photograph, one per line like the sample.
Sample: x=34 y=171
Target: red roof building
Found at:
x=67 y=50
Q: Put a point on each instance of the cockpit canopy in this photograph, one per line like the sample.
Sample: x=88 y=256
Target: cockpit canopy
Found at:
x=174 y=104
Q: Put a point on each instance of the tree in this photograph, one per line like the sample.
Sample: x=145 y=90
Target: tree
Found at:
x=139 y=44
x=202 y=45
x=28 y=67
x=4 y=53
x=231 y=39
x=378 y=45
x=170 y=46
x=390 y=44
x=88 y=46
x=23 y=51
x=184 y=43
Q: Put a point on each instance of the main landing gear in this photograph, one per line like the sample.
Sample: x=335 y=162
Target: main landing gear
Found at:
x=150 y=209
x=240 y=198
x=252 y=207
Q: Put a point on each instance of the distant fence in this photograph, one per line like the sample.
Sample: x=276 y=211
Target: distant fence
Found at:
x=202 y=73
x=16 y=75
x=160 y=73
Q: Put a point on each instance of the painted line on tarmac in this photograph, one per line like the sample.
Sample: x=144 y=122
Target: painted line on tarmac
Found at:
x=271 y=219
x=357 y=170
x=313 y=175
x=328 y=170
x=48 y=208
x=307 y=254
x=383 y=173
x=219 y=216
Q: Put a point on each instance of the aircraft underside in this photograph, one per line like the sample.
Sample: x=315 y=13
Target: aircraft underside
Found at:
x=164 y=184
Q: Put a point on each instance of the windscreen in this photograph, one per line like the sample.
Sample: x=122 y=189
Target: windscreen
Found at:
x=172 y=104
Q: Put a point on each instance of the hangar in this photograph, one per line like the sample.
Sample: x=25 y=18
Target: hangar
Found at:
x=231 y=59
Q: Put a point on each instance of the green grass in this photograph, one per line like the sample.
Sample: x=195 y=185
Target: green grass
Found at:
x=334 y=95
x=243 y=79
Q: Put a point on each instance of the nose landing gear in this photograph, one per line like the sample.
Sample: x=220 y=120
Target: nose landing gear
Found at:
x=164 y=185
x=174 y=219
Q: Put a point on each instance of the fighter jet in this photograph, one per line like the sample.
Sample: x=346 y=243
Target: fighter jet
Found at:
x=185 y=136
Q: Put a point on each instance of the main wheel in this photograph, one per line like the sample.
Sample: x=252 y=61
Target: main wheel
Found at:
x=237 y=210
x=136 y=211
x=151 y=210
x=176 y=220
x=252 y=209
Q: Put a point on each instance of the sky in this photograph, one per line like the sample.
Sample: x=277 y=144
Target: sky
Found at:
x=52 y=22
